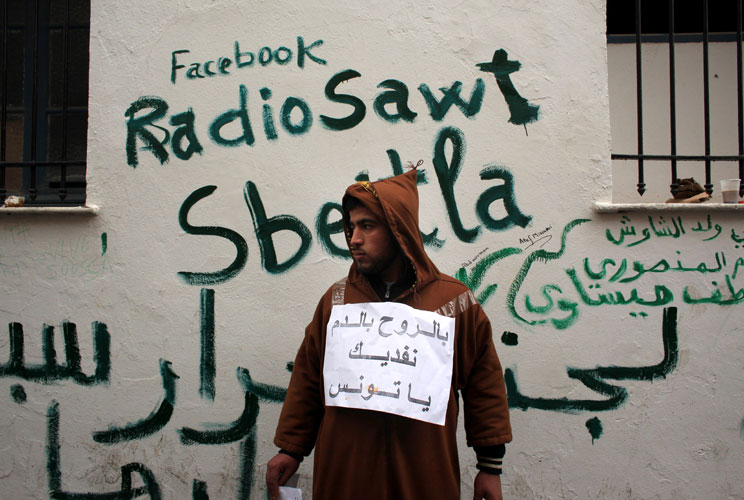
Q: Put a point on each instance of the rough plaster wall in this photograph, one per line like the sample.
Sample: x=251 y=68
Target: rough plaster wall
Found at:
x=601 y=410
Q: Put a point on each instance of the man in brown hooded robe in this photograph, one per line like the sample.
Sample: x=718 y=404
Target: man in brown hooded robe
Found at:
x=364 y=454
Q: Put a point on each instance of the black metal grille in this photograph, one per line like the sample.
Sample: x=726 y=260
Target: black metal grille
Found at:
x=654 y=21
x=43 y=103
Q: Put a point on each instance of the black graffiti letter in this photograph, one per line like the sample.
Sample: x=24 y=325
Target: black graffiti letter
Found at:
x=241 y=246
x=266 y=227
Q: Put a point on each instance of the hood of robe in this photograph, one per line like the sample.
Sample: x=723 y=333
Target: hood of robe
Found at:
x=396 y=200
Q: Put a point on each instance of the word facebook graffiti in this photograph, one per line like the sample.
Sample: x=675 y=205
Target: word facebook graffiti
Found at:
x=224 y=65
x=144 y=115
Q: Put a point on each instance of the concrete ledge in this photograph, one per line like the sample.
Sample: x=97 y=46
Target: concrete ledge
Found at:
x=607 y=207
x=86 y=210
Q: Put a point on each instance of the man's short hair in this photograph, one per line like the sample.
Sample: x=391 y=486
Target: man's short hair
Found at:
x=350 y=203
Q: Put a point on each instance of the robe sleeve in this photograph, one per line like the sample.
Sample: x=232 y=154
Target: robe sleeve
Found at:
x=304 y=407
x=483 y=390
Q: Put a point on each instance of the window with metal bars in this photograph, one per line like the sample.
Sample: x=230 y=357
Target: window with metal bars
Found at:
x=682 y=116
x=44 y=100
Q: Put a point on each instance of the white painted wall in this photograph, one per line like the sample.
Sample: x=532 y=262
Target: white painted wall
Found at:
x=673 y=437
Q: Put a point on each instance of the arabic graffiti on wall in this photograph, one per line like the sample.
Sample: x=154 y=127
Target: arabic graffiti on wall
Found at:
x=242 y=430
x=638 y=281
x=628 y=277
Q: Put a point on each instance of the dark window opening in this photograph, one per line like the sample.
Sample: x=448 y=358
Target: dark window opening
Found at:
x=44 y=100
x=688 y=17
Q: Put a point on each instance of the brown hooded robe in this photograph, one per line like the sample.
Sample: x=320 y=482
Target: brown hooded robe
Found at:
x=362 y=454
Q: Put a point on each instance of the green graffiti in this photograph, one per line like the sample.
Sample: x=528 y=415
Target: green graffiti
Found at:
x=539 y=255
x=150 y=486
x=136 y=129
x=391 y=104
x=268 y=115
x=207 y=363
x=326 y=229
x=153 y=422
x=199 y=490
x=521 y=111
x=240 y=113
x=661 y=228
x=398 y=95
x=562 y=304
x=594 y=426
x=589 y=291
x=247 y=464
x=18 y=393
x=476 y=276
x=265 y=228
x=185 y=123
x=51 y=371
x=447 y=173
x=304 y=51
x=104 y=243
x=509 y=338
x=222 y=434
x=241 y=247
x=661 y=295
x=438 y=109
x=360 y=110
x=290 y=104
x=504 y=192
x=661 y=266
x=174 y=64
x=595 y=378
x=264 y=392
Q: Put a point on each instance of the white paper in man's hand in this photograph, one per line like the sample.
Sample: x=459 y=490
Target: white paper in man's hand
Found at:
x=287 y=493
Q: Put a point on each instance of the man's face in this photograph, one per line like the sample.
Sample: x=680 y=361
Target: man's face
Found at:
x=373 y=246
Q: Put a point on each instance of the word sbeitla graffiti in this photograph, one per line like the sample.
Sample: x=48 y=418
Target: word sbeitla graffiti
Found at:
x=145 y=114
x=265 y=227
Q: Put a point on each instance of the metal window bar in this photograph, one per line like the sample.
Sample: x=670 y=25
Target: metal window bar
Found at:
x=65 y=53
x=32 y=191
x=706 y=98
x=3 y=99
x=674 y=185
x=740 y=91
x=32 y=163
x=673 y=157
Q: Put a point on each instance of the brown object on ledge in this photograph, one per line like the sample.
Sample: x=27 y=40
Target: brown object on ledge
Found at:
x=14 y=201
x=698 y=198
x=688 y=188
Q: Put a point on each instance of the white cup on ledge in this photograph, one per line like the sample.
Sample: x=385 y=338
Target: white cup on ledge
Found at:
x=730 y=190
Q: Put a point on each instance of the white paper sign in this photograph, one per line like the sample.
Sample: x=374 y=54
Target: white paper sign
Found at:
x=389 y=357
x=287 y=493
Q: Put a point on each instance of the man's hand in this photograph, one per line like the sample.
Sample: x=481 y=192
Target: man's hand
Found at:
x=278 y=471
x=487 y=486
